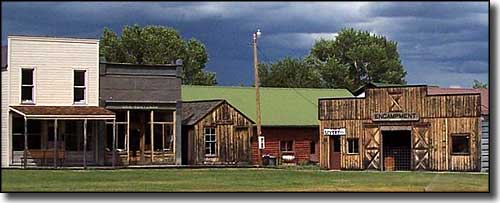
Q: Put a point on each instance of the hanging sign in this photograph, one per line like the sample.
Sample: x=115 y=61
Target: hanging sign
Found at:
x=334 y=131
x=396 y=116
x=261 y=142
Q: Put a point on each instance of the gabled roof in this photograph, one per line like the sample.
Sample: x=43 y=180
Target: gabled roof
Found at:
x=192 y=112
x=378 y=84
x=279 y=106
x=451 y=91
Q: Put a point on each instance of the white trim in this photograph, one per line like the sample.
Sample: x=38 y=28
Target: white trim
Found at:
x=86 y=82
x=70 y=116
x=97 y=74
x=17 y=111
x=33 y=91
x=53 y=39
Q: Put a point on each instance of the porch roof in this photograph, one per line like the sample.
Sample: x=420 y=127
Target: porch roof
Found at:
x=63 y=112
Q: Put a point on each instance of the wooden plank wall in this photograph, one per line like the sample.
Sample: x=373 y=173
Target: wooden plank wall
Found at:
x=446 y=114
x=233 y=132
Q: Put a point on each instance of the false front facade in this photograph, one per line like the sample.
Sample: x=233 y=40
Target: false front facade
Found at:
x=400 y=128
x=50 y=113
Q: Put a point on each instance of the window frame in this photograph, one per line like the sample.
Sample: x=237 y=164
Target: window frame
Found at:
x=33 y=78
x=214 y=141
x=85 y=87
x=348 y=140
x=292 y=146
x=467 y=136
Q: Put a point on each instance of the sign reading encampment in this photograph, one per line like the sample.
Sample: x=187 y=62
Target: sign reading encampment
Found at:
x=334 y=131
x=396 y=116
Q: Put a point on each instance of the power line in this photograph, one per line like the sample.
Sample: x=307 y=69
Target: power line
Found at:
x=296 y=91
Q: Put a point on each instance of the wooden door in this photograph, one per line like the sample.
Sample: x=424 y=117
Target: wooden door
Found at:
x=335 y=153
x=372 y=148
x=421 y=148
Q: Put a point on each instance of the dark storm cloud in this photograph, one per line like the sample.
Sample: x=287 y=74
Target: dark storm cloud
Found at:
x=424 y=9
x=444 y=38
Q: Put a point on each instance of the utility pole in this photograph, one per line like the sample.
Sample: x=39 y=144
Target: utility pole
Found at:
x=261 y=141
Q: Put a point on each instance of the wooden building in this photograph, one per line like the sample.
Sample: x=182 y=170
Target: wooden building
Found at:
x=289 y=118
x=50 y=113
x=147 y=103
x=215 y=133
x=394 y=127
x=485 y=117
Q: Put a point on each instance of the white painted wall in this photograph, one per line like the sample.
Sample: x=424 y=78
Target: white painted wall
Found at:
x=5 y=121
x=54 y=60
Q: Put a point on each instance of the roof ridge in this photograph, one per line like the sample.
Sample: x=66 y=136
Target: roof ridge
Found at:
x=277 y=88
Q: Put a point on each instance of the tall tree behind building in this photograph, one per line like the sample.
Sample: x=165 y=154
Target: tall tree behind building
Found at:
x=479 y=85
x=158 y=45
x=354 y=58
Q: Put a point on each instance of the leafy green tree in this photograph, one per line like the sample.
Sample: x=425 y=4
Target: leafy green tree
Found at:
x=366 y=57
x=289 y=72
x=158 y=45
x=479 y=85
x=354 y=58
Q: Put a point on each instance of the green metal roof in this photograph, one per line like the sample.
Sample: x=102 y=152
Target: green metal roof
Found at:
x=279 y=106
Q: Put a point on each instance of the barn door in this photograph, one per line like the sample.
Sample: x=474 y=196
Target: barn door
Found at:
x=372 y=148
x=420 y=148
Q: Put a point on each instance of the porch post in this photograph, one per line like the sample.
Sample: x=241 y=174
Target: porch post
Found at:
x=85 y=143
x=55 y=143
x=128 y=137
x=152 y=135
x=114 y=143
x=174 y=145
x=25 y=142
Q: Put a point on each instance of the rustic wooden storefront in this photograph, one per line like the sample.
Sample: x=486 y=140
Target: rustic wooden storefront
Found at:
x=417 y=131
x=215 y=133
x=146 y=101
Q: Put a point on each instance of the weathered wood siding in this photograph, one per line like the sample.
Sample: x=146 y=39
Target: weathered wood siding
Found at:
x=54 y=60
x=440 y=116
x=233 y=132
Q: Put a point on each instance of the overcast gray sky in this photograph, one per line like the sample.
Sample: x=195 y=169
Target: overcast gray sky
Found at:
x=441 y=43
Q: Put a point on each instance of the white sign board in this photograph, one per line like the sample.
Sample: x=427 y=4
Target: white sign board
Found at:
x=334 y=131
x=261 y=142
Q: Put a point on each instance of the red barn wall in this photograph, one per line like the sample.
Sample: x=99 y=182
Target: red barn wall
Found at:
x=301 y=136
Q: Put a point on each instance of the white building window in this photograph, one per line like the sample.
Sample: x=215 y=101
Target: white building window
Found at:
x=27 y=85
x=210 y=142
x=79 y=86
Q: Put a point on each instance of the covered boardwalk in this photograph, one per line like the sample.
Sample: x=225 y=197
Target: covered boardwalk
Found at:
x=57 y=135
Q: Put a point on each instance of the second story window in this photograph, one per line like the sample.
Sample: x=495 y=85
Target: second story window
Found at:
x=27 y=85
x=79 y=86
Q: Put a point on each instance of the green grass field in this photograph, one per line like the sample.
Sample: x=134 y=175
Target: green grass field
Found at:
x=237 y=180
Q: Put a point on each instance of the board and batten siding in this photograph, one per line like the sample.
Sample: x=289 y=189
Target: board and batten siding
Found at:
x=440 y=117
x=54 y=60
x=232 y=138
x=5 y=121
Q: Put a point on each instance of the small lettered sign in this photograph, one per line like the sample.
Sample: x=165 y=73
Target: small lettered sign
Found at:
x=261 y=142
x=334 y=131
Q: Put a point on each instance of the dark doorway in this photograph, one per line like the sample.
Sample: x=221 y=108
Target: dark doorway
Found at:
x=137 y=135
x=335 y=153
x=397 y=150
